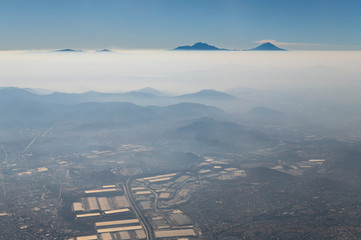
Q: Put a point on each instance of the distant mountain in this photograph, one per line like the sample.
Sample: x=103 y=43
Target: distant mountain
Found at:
x=21 y=106
x=104 y=50
x=12 y=94
x=152 y=91
x=92 y=96
x=63 y=98
x=190 y=110
x=267 y=47
x=69 y=50
x=208 y=94
x=145 y=96
x=109 y=113
x=137 y=94
x=200 y=46
x=39 y=91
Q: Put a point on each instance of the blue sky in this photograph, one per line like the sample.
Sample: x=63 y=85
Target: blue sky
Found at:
x=164 y=24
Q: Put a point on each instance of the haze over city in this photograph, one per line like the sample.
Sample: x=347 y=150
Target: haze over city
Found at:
x=180 y=120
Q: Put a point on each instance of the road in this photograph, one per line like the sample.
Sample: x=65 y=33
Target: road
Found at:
x=147 y=227
x=33 y=140
x=155 y=201
x=155 y=195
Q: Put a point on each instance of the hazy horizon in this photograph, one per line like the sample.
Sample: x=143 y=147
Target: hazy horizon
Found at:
x=179 y=72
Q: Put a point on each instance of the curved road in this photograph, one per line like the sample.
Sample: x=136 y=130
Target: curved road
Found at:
x=147 y=227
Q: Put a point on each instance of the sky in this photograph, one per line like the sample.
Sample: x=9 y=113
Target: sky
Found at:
x=165 y=24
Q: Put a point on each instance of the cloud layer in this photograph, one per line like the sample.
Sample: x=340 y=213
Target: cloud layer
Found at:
x=179 y=71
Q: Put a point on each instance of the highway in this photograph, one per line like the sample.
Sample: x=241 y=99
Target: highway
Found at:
x=147 y=227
